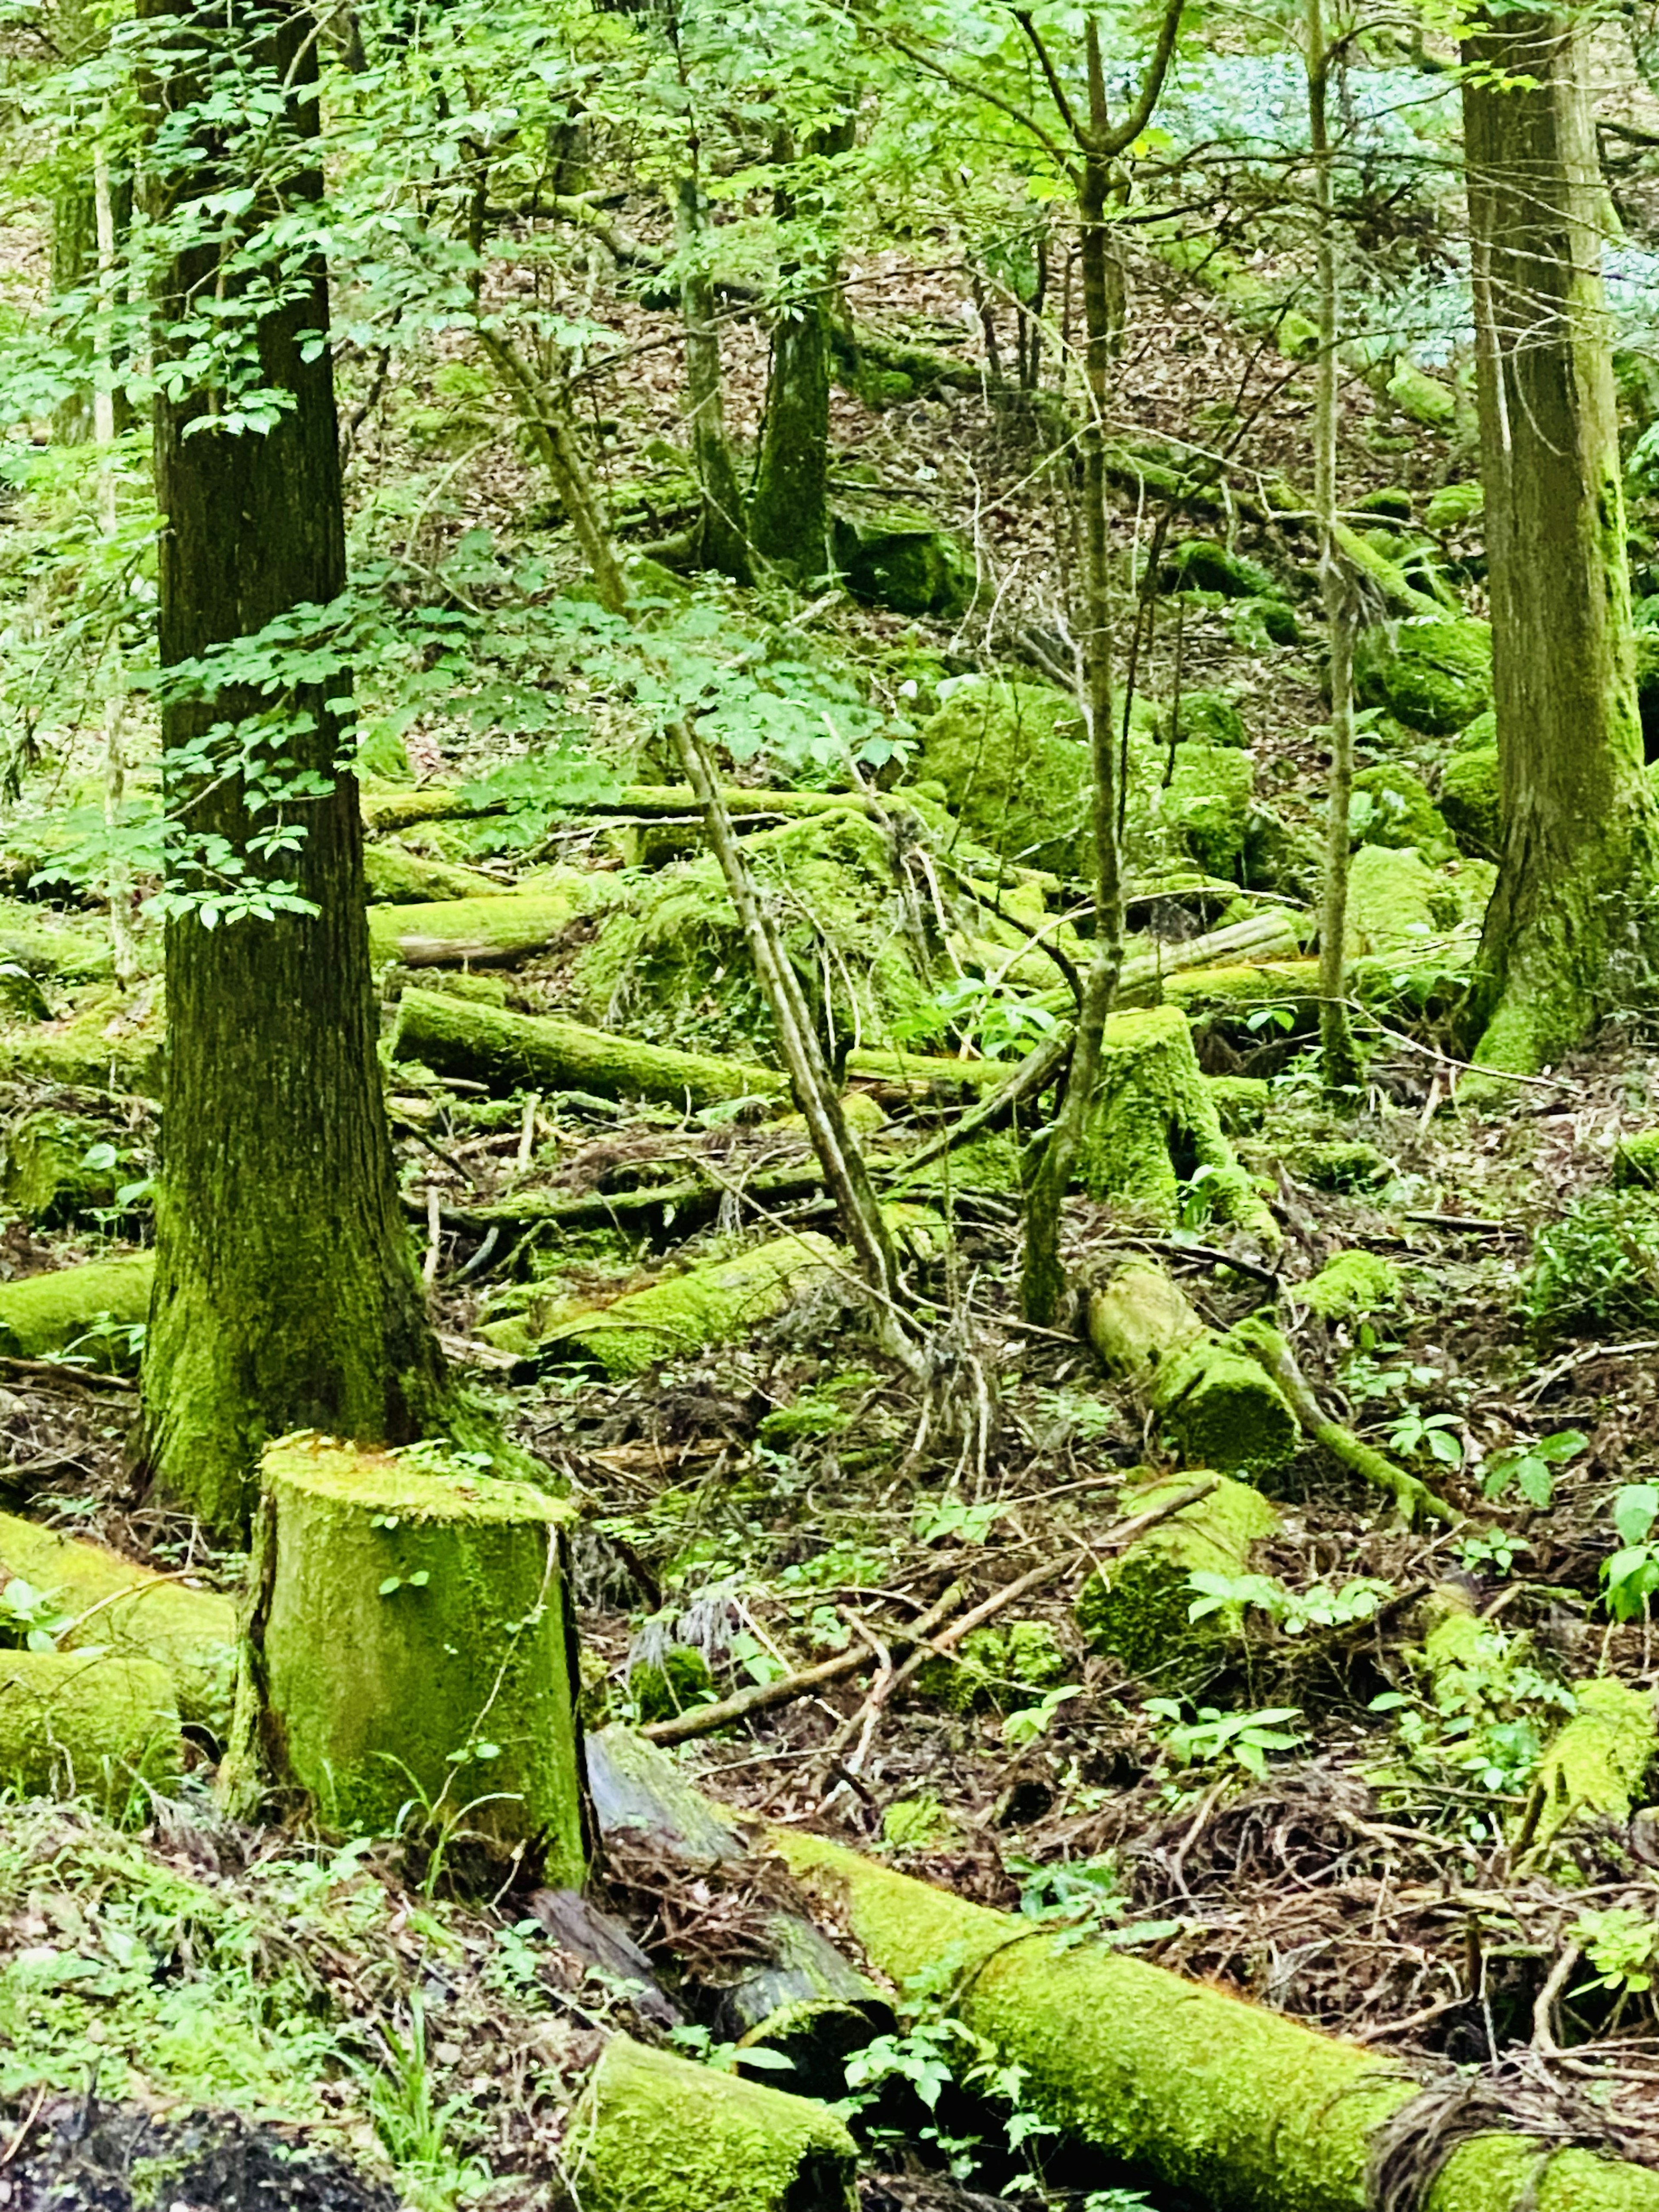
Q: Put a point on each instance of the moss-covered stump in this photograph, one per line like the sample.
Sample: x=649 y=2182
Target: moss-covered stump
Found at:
x=1136 y=1609
x=904 y=560
x=1351 y=1284
x=1153 y=1124
x=91 y=1311
x=710 y=1305
x=1218 y=1406
x=1241 y=2106
x=1434 y=675
x=131 y=1612
x=1015 y=770
x=478 y=932
x=1392 y=806
x=656 y=2133
x=86 y=1724
x=398 y=877
x=513 y=1052
x=1596 y=1764
x=412 y=1650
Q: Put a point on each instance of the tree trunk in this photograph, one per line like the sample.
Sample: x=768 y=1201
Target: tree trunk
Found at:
x=721 y=542
x=1564 y=934
x=286 y=1295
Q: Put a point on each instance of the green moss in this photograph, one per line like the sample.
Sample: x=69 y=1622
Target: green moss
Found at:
x=1204 y=564
x=481 y=930
x=92 y=1311
x=21 y=999
x=1396 y=902
x=1433 y=674
x=1598 y=1762
x=1211 y=717
x=1421 y=398
x=1470 y=801
x=672 y=963
x=1203 y=812
x=1597 y=1266
x=655 y=2133
x=1453 y=506
x=1258 y=623
x=991 y=1162
x=915 y=1824
x=1392 y=807
x=133 y=1615
x=399 y=878
x=1351 y=1284
x=87 y=1725
x=662 y=1687
x=710 y=1304
x=444 y=1588
x=1636 y=1161
x=107 y=1043
x=999 y=1667
x=48 y=947
x=1393 y=501
x=1344 y=1165
x=1241 y=1102
x=1135 y=1610
x=47 y=1176
x=1154 y=1124
x=1012 y=758
x=904 y=560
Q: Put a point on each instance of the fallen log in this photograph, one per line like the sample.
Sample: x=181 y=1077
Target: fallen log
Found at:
x=509 y=1052
x=656 y=2133
x=91 y=1312
x=1263 y=936
x=708 y=1305
x=398 y=877
x=1136 y=1610
x=1204 y=2091
x=478 y=932
x=85 y=1724
x=132 y=1613
x=1220 y=1406
x=445 y=1587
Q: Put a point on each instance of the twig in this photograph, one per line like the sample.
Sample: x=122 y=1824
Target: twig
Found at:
x=1209 y=1254
x=1564 y=1366
x=49 y=1372
x=1543 y=2027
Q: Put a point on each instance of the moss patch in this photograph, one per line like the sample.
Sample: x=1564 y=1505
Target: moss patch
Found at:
x=1351 y=1284
x=87 y=1725
x=999 y=1666
x=1598 y=1762
x=92 y=1311
x=1434 y=675
x=1392 y=806
x=710 y=1304
x=1396 y=903
x=1135 y=1609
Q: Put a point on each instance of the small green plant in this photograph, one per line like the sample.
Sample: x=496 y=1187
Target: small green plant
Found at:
x=1213 y=1737
x=391 y=1583
x=699 y=2043
x=414 y=2128
x=1440 y=1435
x=31 y=1619
x=1531 y=1468
x=1597 y=1268
x=1622 y=1944
x=1630 y=1577
x=1321 y=1605
x=1031 y=1722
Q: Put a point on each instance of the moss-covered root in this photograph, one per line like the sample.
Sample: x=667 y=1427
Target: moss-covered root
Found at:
x=710 y=1304
x=1595 y=1764
x=86 y=1725
x=1136 y=1609
x=1220 y=1406
x=1208 y=2094
x=91 y=1311
x=411 y=1645
x=1153 y=1120
x=454 y=1036
x=655 y=2133
x=476 y=932
x=1413 y=1496
x=130 y=1613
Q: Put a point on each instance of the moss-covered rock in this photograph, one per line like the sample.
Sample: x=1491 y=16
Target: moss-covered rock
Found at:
x=1241 y=1102
x=1351 y=1284
x=671 y=962
x=442 y=1584
x=1453 y=506
x=656 y=2133
x=663 y=1687
x=1392 y=806
x=92 y=1311
x=1396 y=902
x=1469 y=799
x=1204 y=564
x=1136 y=1609
x=708 y=1305
x=1434 y=675
x=1597 y=1763
x=999 y=1667
x=131 y=1614
x=54 y=1169
x=1211 y=718
x=87 y=1725
x=1204 y=812
x=1421 y=398
x=1012 y=760
x=905 y=561
x=1344 y=1165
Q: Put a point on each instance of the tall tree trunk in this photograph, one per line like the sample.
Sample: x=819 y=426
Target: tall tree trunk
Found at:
x=1340 y=1063
x=1043 y=1280
x=722 y=541
x=286 y=1295
x=1564 y=934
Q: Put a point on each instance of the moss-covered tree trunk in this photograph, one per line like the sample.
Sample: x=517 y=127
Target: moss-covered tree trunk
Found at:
x=286 y=1295
x=722 y=542
x=1565 y=931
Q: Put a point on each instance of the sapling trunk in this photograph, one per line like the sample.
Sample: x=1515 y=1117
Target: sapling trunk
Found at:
x=117 y=877
x=722 y=543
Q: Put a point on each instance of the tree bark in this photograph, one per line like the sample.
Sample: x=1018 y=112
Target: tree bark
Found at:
x=1566 y=940
x=721 y=542
x=286 y=1295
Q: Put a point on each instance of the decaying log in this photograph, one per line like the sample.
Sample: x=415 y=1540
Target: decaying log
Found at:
x=398 y=877
x=1205 y=2092
x=478 y=932
x=89 y=1311
x=453 y=1036
x=1219 y=1403
x=656 y=2133
x=707 y=1304
x=1136 y=1609
x=87 y=1724
x=1265 y=936
x=132 y=1613
x=409 y=1656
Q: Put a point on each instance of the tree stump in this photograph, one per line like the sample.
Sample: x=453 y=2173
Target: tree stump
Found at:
x=410 y=1642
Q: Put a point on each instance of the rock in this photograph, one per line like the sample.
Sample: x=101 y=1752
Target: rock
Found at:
x=1211 y=717
x=1434 y=675
x=1204 y=564
x=1392 y=806
x=1351 y=1284
x=1421 y=398
x=903 y=560
x=1013 y=764
x=1393 y=501
x=1469 y=800
x=1346 y=1166
x=1396 y=902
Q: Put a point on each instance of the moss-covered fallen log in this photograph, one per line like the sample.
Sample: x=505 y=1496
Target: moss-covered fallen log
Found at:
x=132 y=1613
x=90 y=1311
x=510 y=1052
x=399 y=878
x=708 y=1305
x=1201 y=2090
x=87 y=1725
x=106 y=1046
x=1271 y=934
x=1136 y=1610
x=656 y=2133
x=1220 y=1406
x=477 y=933
x=409 y=1649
